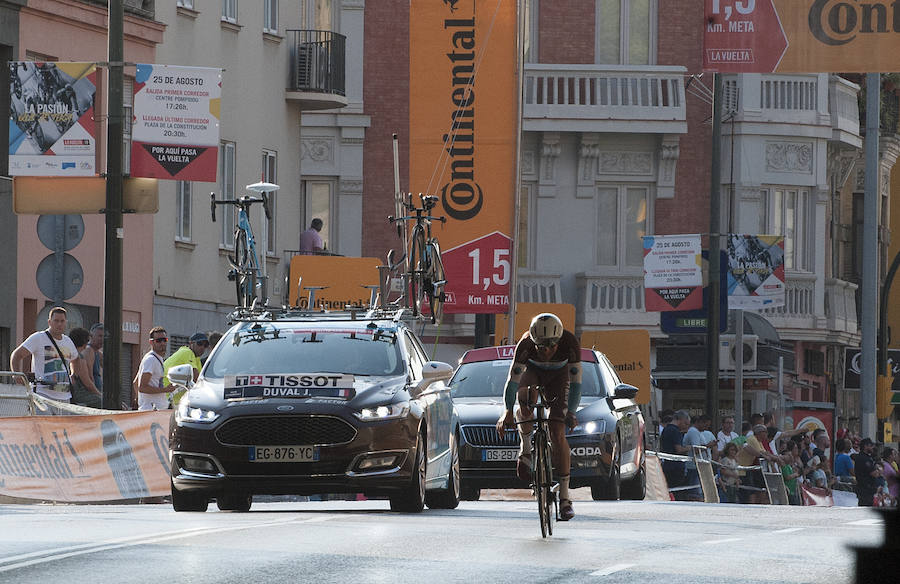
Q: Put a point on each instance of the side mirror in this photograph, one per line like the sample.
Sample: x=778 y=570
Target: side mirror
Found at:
x=625 y=391
x=182 y=375
x=432 y=372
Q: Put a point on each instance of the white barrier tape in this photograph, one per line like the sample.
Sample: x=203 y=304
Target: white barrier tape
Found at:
x=683 y=458
x=45 y=404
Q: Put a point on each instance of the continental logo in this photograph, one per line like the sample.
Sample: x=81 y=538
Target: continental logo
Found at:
x=462 y=197
x=839 y=22
x=329 y=304
x=48 y=459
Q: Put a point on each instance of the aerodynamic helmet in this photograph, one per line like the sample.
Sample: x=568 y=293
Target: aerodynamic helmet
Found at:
x=546 y=329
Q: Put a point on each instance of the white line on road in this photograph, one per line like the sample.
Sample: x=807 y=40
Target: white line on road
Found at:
x=723 y=540
x=611 y=569
x=788 y=530
x=865 y=522
x=70 y=551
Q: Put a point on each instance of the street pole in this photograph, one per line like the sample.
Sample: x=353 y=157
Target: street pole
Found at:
x=112 y=307
x=870 y=258
x=712 y=330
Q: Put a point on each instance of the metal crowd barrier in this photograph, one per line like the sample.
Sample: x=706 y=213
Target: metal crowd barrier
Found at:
x=18 y=400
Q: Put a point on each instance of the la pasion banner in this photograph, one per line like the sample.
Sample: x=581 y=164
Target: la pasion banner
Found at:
x=755 y=271
x=175 y=129
x=51 y=119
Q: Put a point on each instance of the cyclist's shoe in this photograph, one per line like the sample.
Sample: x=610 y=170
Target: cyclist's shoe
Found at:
x=565 y=510
x=523 y=468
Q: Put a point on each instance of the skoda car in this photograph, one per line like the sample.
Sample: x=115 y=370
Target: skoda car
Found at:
x=316 y=403
x=607 y=446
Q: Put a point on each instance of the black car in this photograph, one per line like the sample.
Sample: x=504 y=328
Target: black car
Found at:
x=309 y=403
x=607 y=446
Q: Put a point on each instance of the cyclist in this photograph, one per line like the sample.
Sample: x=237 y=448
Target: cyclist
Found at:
x=548 y=356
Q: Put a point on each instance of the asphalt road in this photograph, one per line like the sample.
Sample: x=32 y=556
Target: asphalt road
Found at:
x=485 y=541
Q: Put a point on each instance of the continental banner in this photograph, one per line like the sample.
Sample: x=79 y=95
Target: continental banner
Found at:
x=338 y=281
x=800 y=36
x=463 y=124
x=175 y=132
x=51 y=119
x=85 y=458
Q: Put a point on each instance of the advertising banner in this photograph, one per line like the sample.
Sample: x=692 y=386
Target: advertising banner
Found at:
x=853 y=368
x=629 y=353
x=51 y=119
x=800 y=36
x=673 y=273
x=175 y=129
x=463 y=125
x=755 y=271
x=85 y=458
x=343 y=281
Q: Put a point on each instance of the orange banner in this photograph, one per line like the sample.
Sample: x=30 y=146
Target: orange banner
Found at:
x=342 y=280
x=85 y=458
x=797 y=36
x=463 y=122
x=629 y=353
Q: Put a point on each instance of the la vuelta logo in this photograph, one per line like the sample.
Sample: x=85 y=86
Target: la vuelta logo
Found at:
x=838 y=22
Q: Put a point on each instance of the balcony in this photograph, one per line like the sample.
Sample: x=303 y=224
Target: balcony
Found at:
x=604 y=98
x=612 y=300
x=840 y=311
x=534 y=287
x=317 y=78
x=844 y=106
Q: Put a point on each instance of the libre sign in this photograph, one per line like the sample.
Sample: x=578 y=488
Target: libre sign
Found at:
x=783 y=36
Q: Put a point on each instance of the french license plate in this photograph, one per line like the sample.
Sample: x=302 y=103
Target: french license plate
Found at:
x=284 y=454
x=499 y=454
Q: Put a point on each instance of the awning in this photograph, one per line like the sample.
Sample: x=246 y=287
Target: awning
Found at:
x=702 y=375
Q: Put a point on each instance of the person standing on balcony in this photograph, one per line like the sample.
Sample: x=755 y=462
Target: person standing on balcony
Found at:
x=310 y=240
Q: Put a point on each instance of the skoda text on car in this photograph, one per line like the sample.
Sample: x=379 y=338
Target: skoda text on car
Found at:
x=311 y=403
x=607 y=446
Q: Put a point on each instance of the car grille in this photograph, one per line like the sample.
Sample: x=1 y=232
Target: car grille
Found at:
x=285 y=430
x=486 y=436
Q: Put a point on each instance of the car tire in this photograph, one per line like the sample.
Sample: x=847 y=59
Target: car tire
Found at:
x=609 y=489
x=412 y=498
x=447 y=498
x=187 y=501
x=469 y=493
x=636 y=488
x=235 y=502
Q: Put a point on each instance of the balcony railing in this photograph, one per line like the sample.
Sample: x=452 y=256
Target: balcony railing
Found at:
x=798 y=311
x=533 y=287
x=844 y=106
x=318 y=66
x=642 y=99
x=840 y=307
x=615 y=300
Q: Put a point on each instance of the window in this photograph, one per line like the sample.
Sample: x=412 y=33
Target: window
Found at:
x=626 y=32
x=229 y=10
x=270 y=16
x=317 y=14
x=226 y=172
x=622 y=221
x=182 y=210
x=185 y=3
x=787 y=214
x=318 y=204
x=270 y=175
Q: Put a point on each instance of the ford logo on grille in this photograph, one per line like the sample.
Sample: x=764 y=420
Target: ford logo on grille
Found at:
x=285 y=408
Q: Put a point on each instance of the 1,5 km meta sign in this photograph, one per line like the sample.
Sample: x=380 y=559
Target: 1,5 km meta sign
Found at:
x=478 y=275
x=794 y=36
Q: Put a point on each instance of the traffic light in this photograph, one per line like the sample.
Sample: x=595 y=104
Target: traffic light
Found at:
x=883 y=407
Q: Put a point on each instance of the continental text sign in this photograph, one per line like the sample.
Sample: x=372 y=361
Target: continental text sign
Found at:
x=793 y=36
x=463 y=140
x=342 y=280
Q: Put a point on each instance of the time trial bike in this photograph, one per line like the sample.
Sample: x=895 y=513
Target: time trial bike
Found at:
x=545 y=489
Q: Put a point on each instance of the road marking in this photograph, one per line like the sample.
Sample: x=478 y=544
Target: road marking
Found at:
x=788 y=530
x=79 y=550
x=611 y=569
x=865 y=522
x=723 y=540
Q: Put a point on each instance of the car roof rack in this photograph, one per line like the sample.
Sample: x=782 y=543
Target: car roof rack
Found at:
x=358 y=313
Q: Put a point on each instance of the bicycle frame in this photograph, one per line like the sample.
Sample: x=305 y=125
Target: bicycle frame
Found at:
x=545 y=489
x=245 y=265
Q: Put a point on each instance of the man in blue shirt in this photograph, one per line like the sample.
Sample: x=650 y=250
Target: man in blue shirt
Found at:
x=670 y=442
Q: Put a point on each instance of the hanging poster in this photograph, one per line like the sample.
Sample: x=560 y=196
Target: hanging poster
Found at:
x=755 y=271
x=51 y=119
x=175 y=129
x=673 y=273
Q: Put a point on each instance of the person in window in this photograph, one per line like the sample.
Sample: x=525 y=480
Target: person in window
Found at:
x=310 y=240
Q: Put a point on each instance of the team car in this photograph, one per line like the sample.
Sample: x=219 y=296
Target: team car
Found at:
x=607 y=445
x=303 y=403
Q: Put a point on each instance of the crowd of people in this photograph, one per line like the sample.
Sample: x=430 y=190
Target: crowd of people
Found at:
x=804 y=459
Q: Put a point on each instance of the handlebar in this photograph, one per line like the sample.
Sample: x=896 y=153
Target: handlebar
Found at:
x=242 y=203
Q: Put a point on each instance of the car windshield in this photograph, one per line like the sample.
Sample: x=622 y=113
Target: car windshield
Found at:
x=301 y=349
x=488 y=379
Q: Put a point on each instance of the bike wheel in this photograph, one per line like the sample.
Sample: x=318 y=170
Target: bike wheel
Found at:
x=240 y=260
x=417 y=263
x=541 y=482
x=547 y=484
x=434 y=282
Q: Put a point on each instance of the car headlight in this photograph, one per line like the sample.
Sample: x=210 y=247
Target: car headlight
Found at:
x=188 y=413
x=385 y=412
x=592 y=427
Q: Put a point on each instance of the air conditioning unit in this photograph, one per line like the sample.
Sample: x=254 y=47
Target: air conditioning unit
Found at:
x=729 y=355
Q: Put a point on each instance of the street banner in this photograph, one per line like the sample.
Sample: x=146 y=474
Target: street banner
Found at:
x=755 y=271
x=800 y=36
x=109 y=457
x=463 y=125
x=853 y=368
x=338 y=281
x=51 y=119
x=673 y=273
x=175 y=128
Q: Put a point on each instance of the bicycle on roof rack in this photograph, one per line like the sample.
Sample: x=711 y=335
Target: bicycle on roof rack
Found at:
x=245 y=269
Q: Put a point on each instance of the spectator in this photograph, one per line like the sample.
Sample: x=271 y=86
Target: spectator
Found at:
x=790 y=472
x=84 y=392
x=726 y=434
x=670 y=442
x=189 y=354
x=817 y=477
x=749 y=455
x=214 y=337
x=729 y=481
x=93 y=355
x=756 y=420
x=866 y=473
x=310 y=240
x=693 y=437
x=50 y=351
x=890 y=472
x=843 y=464
x=150 y=389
